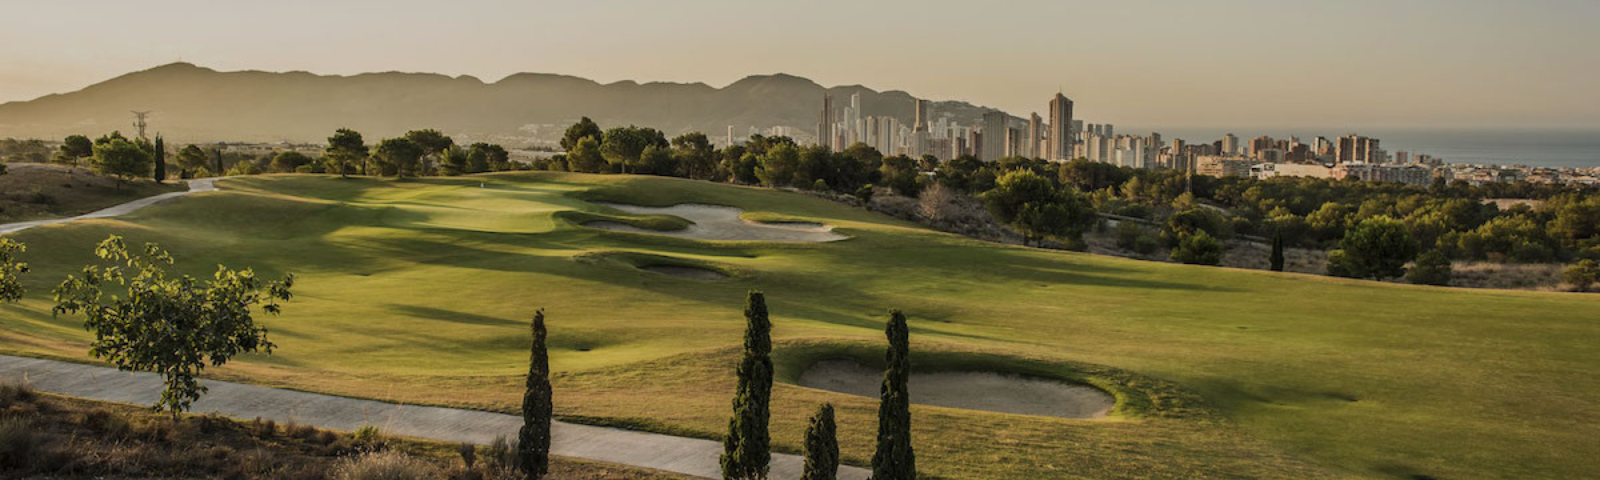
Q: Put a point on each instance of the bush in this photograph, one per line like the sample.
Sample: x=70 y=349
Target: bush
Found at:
x=368 y=435
x=1377 y=248
x=1197 y=248
x=386 y=465
x=11 y=394
x=1432 y=268
x=1583 y=275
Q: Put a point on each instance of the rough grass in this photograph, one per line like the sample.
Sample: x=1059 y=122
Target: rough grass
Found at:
x=428 y=284
x=32 y=191
x=50 y=436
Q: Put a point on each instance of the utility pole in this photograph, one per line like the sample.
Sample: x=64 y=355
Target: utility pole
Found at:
x=139 y=123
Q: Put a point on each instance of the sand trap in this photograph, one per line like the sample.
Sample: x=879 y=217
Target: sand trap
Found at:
x=685 y=272
x=713 y=222
x=990 y=392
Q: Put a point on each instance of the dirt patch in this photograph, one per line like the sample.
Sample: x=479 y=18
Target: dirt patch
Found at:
x=987 y=391
x=715 y=222
x=685 y=272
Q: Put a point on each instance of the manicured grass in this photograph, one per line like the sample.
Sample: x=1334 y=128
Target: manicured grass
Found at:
x=420 y=291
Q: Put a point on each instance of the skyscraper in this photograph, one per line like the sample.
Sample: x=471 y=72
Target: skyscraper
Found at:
x=825 y=123
x=1060 y=142
x=921 y=118
x=995 y=124
x=1030 y=146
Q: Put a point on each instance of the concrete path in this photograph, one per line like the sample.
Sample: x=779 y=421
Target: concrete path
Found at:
x=687 y=456
x=195 y=186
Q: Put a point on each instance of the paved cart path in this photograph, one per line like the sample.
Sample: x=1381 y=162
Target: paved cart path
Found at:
x=689 y=456
x=195 y=186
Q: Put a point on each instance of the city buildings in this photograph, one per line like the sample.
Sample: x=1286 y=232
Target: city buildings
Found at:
x=1061 y=136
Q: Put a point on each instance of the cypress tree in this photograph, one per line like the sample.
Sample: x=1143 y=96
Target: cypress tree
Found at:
x=746 y=450
x=219 y=172
x=1277 y=252
x=894 y=459
x=822 y=446
x=161 y=160
x=533 y=440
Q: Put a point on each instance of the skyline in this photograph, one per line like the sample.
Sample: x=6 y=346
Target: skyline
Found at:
x=1417 y=64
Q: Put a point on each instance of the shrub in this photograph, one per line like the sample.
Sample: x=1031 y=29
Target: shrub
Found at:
x=1377 y=248
x=15 y=393
x=1197 y=248
x=368 y=435
x=386 y=465
x=1583 y=275
x=19 y=441
x=1432 y=268
x=469 y=454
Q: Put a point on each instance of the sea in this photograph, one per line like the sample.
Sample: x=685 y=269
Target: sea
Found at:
x=1542 y=148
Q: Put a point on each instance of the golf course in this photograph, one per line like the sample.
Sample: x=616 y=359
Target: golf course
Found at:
x=420 y=291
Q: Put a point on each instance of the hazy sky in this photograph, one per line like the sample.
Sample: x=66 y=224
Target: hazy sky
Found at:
x=1149 y=63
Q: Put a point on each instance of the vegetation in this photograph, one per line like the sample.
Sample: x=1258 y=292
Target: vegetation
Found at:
x=166 y=323
x=11 y=270
x=1584 y=275
x=1275 y=262
x=533 y=440
x=894 y=459
x=1197 y=248
x=747 y=446
x=1216 y=375
x=1378 y=248
x=120 y=158
x=1432 y=268
x=822 y=446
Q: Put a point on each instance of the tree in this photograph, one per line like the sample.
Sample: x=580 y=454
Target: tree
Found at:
x=1198 y=248
x=695 y=155
x=400 y=155
x=432 y=143
x=73 y=149
x=1035 y=206
x=289 y=161
x=533 y=440
x=585 y=156
x=1377 y=248
x=345 y=147
x=11 y=270
x=1276 y=259
x=160 y=155
x=585 y=128
x=1583 y=275
x=1432 y=268
x=168 y=323
x=216 y=154
x=777 y=166
x=746 y=451
x=656 y=160
x=894 y=459
x=121 y=159
x=191 y=159
x=623 y=146
x=483 y=157
x=822 y=446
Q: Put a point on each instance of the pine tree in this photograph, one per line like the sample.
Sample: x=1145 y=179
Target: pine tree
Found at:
x=746 y=449
x=161 y=160
x=1277 y=252
x=894 y=459
x=533 y=440
x=822 y=446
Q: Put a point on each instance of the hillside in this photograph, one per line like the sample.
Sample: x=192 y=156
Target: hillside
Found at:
x=196 y=104
x=419 y=292
x=32 y=191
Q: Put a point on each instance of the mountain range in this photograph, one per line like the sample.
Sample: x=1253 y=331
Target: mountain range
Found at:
x=198 y=104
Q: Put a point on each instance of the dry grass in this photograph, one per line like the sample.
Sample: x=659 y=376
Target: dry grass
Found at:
x=30 y=191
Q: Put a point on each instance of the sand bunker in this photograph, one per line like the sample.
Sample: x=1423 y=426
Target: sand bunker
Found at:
x=990 y=392
x=713 y=222
x=685 y=272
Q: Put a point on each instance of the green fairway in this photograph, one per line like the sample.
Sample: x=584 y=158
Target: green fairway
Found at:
x=420 y=291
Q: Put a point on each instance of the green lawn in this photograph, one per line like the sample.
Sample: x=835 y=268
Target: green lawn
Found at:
x=420 y=291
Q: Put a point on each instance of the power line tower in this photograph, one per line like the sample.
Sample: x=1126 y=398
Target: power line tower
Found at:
x=139 y=123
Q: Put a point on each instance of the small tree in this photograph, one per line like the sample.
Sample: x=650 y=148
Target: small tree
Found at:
x=400 y=155
x=1432 y=268
x=822 y=446
x=747 y=448
x=533 y=440
x=1377 y=248
x=160 y=154
x=1276 y=259
x=1197 y=248
x=168 y=324
x=1583 y=275
x=345 y=147
x=121 y=159
x=894 y=459
x=73 y=149
x=11 y=270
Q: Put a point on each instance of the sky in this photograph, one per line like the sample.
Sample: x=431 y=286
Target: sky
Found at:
x=1220 y=64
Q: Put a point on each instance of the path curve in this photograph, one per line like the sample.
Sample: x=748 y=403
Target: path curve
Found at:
x=197 y=185
x=688 y=456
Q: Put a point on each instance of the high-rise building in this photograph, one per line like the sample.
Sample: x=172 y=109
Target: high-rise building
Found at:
x=995 y=124
x=825 y=123
x=1230 y=145
x=1035 y=130
x=922 y=117
x=1061 y=138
